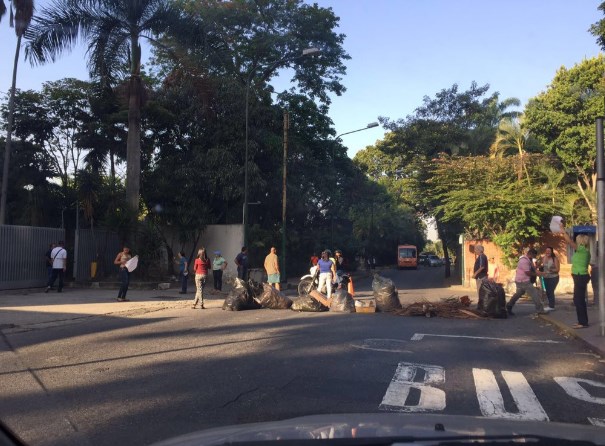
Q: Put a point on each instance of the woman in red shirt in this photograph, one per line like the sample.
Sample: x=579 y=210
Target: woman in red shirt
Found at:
x=200 y=268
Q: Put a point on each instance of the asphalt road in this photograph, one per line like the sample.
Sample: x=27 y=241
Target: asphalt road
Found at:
x=145 y=377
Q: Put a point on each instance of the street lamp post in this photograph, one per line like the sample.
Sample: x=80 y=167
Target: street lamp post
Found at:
x=251 y=74
x=334 y=142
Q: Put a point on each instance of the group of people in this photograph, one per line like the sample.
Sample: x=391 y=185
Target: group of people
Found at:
x=545 y=268
x=330 y=269
x=201 y=268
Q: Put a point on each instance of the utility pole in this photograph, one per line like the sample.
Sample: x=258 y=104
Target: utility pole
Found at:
x=284 y=193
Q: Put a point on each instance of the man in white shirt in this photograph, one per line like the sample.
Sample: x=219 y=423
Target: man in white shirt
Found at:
x=59 y=258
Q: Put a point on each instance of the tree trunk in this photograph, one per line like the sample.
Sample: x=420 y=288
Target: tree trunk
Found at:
x=9 y=131
x=133 y=146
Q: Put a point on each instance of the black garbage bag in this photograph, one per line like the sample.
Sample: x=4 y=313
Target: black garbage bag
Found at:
x=385 y=294
x=273 y=299
x=307 y=303
x=342 y=302
x=492 y=299
x=240 y=297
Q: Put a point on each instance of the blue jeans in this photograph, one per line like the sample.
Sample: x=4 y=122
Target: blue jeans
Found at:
x=124 y=282
x=184 y=282
x=550 y=283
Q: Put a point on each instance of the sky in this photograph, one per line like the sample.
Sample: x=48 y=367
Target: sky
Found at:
x=403 y=50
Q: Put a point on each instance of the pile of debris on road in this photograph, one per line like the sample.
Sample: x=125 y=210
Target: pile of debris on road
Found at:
x=248 y=295
x=450 y=307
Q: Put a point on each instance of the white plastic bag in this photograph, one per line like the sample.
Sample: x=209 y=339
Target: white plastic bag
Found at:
x=555 y=224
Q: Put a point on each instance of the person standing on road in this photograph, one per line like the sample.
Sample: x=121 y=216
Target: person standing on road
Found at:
x=550 y=265
x=183 y=271
x=59 y=258
x=326 y=268
x=121 y=259
x=480 y=269
x=579 y=272
x=525 y=271
x=218 y=266
x=272 y=269
x=242 y=263
x=200 y=267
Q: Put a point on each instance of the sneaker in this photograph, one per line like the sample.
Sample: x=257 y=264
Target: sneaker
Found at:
x=47 y=289
x=509 y=310
x=548 y=310
x=122 y=299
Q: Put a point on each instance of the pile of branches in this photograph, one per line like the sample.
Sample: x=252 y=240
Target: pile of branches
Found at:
x=449 y=307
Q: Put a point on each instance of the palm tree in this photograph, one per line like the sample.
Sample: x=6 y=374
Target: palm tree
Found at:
x=512 y=138
x=112 y=30
x=21 y=12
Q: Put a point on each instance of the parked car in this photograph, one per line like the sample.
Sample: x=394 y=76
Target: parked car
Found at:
x=433 y=260
x=423 y=259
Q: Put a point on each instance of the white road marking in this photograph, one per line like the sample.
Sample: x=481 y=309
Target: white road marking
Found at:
x=491 y=402
x=431 y=398
x=574 y=389
x=597 y=421
x=383 y=345
x=420 y=336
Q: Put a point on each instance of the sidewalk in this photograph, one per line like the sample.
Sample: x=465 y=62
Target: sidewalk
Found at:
x=23 y=310
x=565 y=316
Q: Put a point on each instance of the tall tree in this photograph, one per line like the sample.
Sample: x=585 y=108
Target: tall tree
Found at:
x=112 y=30
x=562 y=119
x=23 y=11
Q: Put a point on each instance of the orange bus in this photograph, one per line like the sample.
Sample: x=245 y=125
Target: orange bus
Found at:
x=407 y=256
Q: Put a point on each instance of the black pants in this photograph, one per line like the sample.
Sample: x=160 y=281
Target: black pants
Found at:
x=580 y=283
x=56 y=272
x=184 y=282
x=124 y=282
x=217 y=275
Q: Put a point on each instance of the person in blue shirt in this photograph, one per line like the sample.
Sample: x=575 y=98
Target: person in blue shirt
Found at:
x=326 y=273
x=183 y=271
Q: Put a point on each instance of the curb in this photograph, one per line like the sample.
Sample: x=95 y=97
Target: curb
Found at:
x=572 y=333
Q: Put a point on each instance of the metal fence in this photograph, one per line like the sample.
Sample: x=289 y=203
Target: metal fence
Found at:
x=22 y=249
x=95 y=245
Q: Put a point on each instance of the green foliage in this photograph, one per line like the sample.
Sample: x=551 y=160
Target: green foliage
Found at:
x=563 y=119
x=486 y=197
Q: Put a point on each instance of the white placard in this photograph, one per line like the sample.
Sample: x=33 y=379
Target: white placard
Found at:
x=132 y=264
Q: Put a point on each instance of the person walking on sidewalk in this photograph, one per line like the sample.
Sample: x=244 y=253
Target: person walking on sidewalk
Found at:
x=59 y=258
x=579 y=272
x=218 y=266
x=121 y=259
x=272 y=269
x=550 y=265
x=183 y=271
x=200 y=267
x=525 y=271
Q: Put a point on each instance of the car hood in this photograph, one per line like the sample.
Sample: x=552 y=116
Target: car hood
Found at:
x=413 y=428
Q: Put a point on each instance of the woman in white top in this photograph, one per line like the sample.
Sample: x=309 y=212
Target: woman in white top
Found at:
x=549 y=263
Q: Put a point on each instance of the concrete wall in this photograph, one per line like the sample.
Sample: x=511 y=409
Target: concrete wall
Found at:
x=507 y=276
x=228 y=239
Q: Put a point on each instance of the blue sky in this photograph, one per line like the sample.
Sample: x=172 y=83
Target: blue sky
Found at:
x=403 y=50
